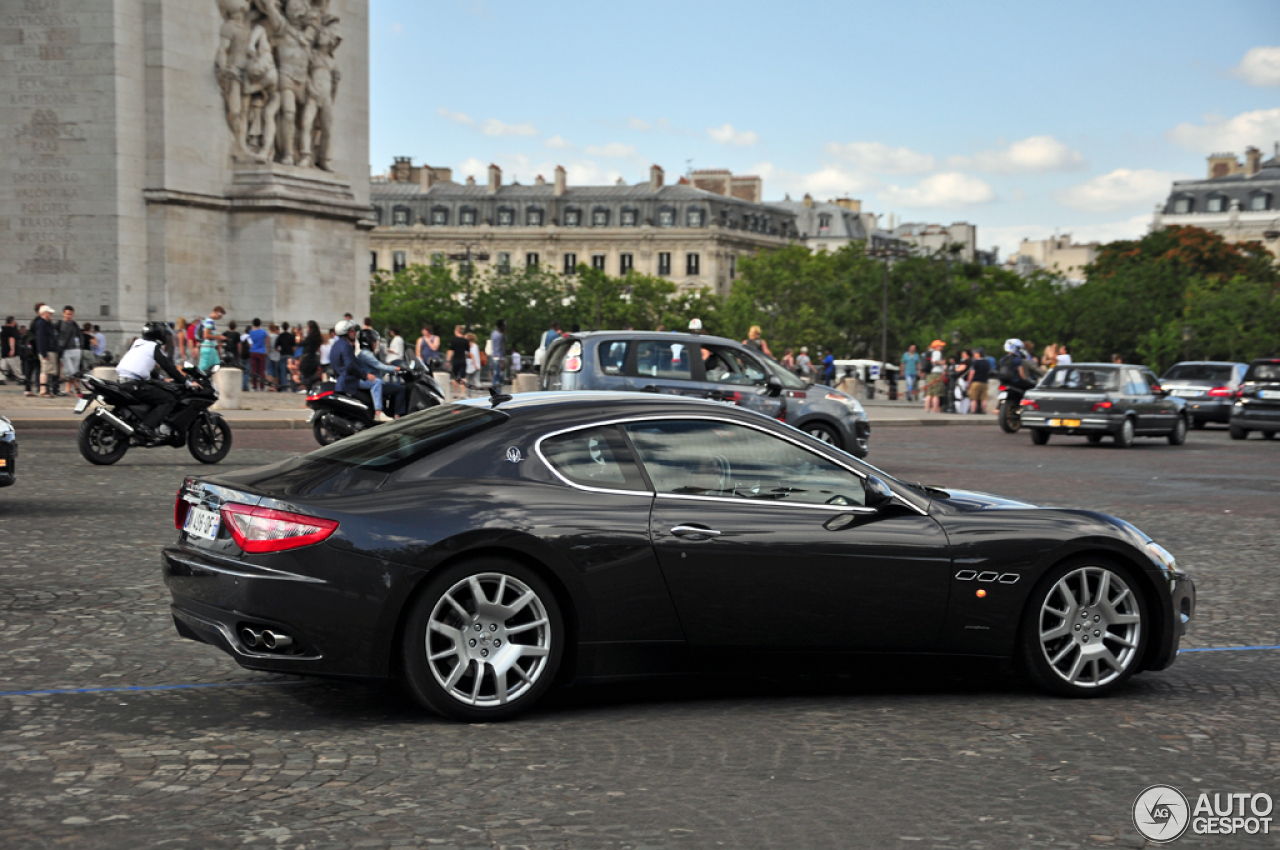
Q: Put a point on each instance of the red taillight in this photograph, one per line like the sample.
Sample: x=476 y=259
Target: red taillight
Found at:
x=180 y=509
x=260 y=530
x=797 y=394
x=319 y=395
x=1220 y=392
x=573 y=360
x=1003 y=388
x=1029 y=404
x=1101 y=406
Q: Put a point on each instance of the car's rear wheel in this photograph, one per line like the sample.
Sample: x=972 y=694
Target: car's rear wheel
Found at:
x=1268 y=435
x=1124 y=437
x=1238 y=433
x=1085 y=628
x=484 y=641
x=825 y=433
x=1178 y=435
x=1040 y=436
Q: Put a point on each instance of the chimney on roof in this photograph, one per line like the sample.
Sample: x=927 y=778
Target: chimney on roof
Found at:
x=1252 y=160
x=401 y=169
x=560 y=181
x=538 y=181
x=655 y=177
x=808 y=201
x=495 y=178
x=471 y=180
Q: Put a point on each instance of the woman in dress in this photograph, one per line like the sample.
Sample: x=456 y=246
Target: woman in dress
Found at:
x=428 y=345
x=309 y=363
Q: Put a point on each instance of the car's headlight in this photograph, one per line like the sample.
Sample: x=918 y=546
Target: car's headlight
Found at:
x=1161 y=555
x=848 y=401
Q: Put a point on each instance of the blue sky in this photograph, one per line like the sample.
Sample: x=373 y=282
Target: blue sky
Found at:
x=1023 y=118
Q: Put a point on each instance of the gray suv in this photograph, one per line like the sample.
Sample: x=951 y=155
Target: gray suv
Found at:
x=705 y=367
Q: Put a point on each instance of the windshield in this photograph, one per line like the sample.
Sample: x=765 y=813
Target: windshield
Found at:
x=790 y=380
x=1082 y=378
x=1210 y=372
x=1268 y=372
x=386 y=448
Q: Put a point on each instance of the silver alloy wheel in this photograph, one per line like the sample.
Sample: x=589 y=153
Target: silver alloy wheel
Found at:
x=824 y=434
x=1090 y=627
x=488 y=639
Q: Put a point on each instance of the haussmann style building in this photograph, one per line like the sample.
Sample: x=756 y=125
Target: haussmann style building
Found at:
x=1238 y=201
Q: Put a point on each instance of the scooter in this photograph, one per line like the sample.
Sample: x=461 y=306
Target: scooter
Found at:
x=335 y=415
x=115 y=425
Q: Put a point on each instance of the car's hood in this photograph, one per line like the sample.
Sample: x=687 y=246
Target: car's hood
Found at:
x=969 y=500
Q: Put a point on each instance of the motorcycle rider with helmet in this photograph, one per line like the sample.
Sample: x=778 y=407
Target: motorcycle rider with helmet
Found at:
x=135 y=369
x=352 y=373
x=1017 y=369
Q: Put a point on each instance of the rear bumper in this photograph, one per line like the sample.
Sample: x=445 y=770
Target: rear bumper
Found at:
x=1209 y=411
x=8 y=462
x=1247 y=416
x=1090 y=423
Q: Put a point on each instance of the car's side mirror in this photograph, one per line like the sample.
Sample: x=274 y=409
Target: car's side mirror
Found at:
x=878 y=493
x=773 y=386
x=1158 y=390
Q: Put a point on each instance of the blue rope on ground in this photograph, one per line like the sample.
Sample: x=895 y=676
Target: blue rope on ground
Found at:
x=1225 y=648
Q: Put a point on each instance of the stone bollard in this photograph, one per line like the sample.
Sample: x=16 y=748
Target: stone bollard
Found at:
x=526 y=382
x=105 y=373
x=445 y=380
x=849 y=385
x=227 y=382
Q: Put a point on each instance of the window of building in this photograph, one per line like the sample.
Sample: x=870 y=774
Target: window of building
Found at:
x=1217 y=203
x=439 y=215
x=373 y=261
x=504 y=261
x=666 y=217
x=1260 y=201
x=437 y=259
x=625 y=263
x=597 y=261
x=506 y=216
x=572 y=217
x=824 y=223
x=533 y=217
x=570 y=263
x=599 y=217
x=397 y=261
x=664 y=263
x=531 y=259
x=692 y=264
x=467 y=216
x=694 y=217
x=400 y=215
x=628 y=217
x=1182 y=206
x=733 y=266
x=377 y=214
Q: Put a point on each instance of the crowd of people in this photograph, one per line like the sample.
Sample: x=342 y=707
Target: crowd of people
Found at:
x=49 y=354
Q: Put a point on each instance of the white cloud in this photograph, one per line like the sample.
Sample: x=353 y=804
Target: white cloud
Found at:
x=1229 y=134
x=494 y=127
x=948 y=190
x=456 y=117
x=879 y=157
x=1260 y=67
x=1034 y=154
x=1007 y=238
x=613 y=150
x=559 y=143
x=1121 y=189
x=639 y=124
x=727 y=135
x=829 y=182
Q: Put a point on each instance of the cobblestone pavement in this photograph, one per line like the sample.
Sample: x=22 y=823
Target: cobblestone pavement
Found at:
x=924 y=754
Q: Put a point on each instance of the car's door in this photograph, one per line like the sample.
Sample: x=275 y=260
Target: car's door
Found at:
x=732 y=375
x=1164 y=410
x=766 y=543
x=666 y=366
x=1143 y=402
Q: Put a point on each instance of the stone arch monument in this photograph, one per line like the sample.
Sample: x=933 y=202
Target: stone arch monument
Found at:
x=167 y=155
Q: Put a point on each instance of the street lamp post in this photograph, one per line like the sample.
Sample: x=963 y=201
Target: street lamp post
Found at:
x=467 y=257
x=886 y=251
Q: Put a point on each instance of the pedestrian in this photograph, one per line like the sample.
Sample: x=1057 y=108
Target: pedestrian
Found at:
x=829 y=366
x=804 y=366
x=936 y=366
x=789 y=360
x=459 y=359
x=369 y=339
x=395 y=348
x=473 y=362
x=1117 y=359
x=428 y=345
x=325 y=349
x=963 y=376
x=979 y=386
x=70 y=344
x=756 y=342
x=258 y=336
x=209 y=339
x=285 y=343
x=180 y=336
x=99 y=343
x=1064 y=356
x=10 y=363
x=516 y=362
x=46 y=340
x=910 y=365
x=29 y=358
x=498 y=348
x=1050 y=357
x=309 y=363
x=86 y=347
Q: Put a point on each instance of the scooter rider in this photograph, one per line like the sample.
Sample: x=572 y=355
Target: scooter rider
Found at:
x=352 y=372
x=1017 y=369
x=135 y=369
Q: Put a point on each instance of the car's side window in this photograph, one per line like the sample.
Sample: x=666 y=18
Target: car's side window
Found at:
x=662 y=359
x=613 y=356
x=706 y=458
x=594 y=457
x=1137 y=384
x=727 y=366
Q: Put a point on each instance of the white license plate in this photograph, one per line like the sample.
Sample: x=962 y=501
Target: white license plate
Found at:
x=202 y=523
x=81 y=405
x=1269 y=394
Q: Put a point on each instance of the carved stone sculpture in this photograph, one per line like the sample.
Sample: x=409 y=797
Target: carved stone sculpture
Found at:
x=279 y=77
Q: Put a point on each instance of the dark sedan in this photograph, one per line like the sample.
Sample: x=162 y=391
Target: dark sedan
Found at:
x=8 y=453
x=1258 y=405
x=1096 y=400
x=1208 y=387
x=485 y=550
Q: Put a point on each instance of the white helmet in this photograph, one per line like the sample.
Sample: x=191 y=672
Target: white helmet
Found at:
x=695 y=324
x=1013 y=346
x=344 y=327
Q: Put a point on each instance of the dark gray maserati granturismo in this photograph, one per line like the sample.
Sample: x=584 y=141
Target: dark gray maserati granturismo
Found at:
x=483 y=551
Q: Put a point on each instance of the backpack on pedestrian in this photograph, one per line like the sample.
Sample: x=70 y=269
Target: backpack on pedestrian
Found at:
x=1007 y=371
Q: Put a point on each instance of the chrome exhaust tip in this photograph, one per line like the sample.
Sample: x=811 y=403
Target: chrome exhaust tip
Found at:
x=273 y=640
x=116 y=422
x=250 y=637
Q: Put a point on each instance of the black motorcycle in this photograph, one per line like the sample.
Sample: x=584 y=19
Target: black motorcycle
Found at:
x=1009 y=411
x=115 y=425
x=335 y=415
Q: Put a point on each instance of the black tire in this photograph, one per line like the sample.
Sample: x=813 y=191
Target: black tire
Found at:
x=1040 y=436
x=322 y=428
x=99 y=443
x=1268 y=435
x=1198 y=424
x=1124 y=437
x=1178 y=435
x=1095 y=438
x=825 y=433
x=209 y=438
x=1238 y=433
x=1010 y=419
x=427 y=673
x=1051 y=660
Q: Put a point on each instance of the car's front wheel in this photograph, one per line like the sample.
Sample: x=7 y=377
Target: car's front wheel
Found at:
x=1040 y=436
x=1178 y=435
x=825 y=433
x=1085 y=628
x=484 y=641
x=1238 y=433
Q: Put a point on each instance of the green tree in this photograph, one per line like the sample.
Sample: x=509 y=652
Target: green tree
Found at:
x=417 y=295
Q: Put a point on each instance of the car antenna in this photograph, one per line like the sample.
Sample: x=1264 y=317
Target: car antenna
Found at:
x=497 y=397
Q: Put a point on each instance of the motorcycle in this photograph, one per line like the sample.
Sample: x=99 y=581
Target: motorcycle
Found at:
x=1009 y=409
x=114 y=426
x=335 y=415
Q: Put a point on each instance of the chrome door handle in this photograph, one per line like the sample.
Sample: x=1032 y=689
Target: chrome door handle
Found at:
x=694 y=531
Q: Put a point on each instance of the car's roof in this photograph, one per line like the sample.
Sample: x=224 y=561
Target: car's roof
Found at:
x=1100 y=365
x=1207 y=363
x=538 y=401
x=679 y=336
